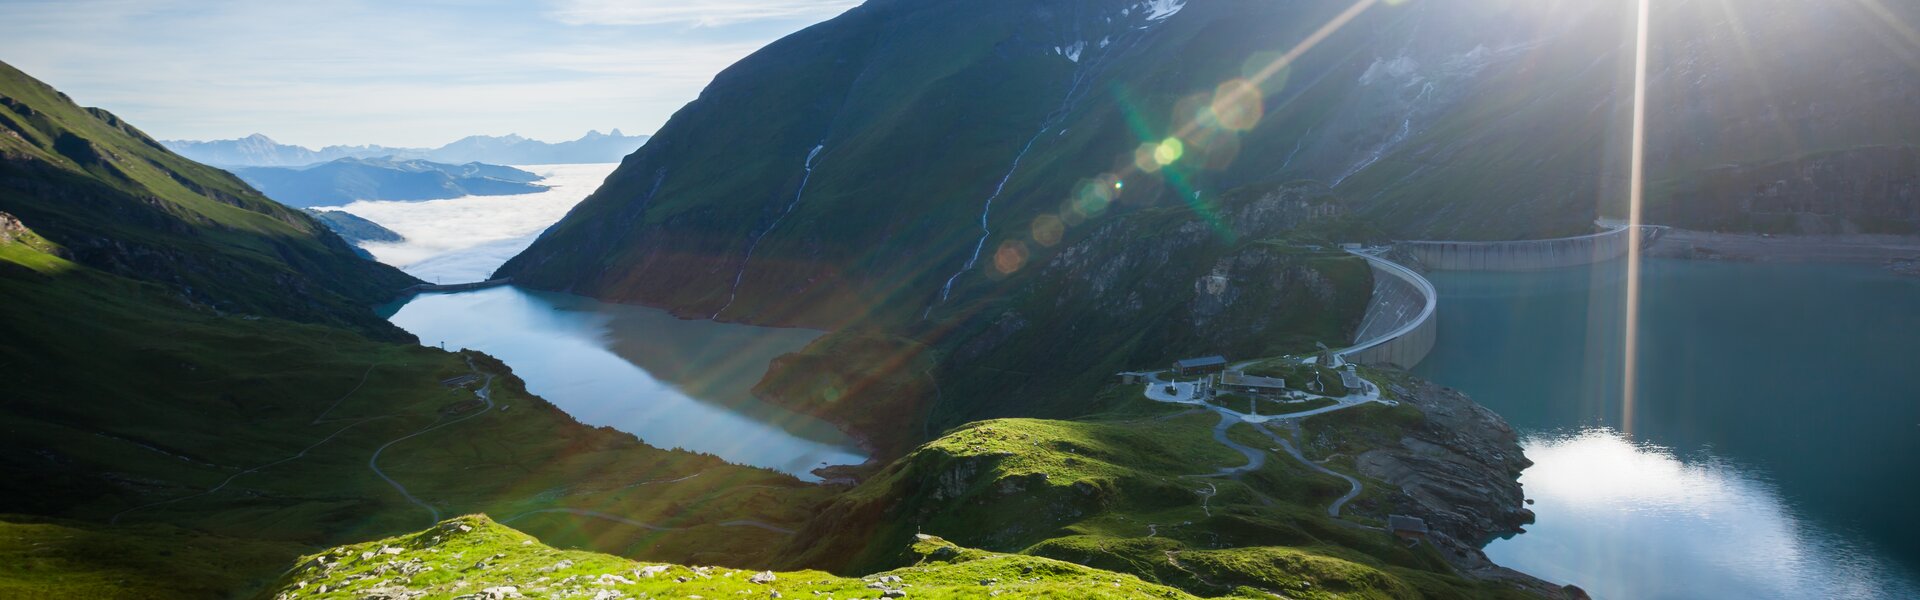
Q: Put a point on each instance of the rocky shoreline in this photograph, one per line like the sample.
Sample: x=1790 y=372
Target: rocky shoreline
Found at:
x=1459 y=470
x=1456 y=466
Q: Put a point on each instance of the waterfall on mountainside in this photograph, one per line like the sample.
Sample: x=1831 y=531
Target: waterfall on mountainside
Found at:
x=734 y=292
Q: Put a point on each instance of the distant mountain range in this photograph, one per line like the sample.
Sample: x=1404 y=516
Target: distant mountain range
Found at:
x=349 y=179
x=261 y=151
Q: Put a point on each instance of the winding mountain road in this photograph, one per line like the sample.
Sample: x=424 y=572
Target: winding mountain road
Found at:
x=1184 y=394
x=1333 y=510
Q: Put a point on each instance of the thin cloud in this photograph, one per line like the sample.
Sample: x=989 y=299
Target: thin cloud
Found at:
x=705 y=13
x=362 y=71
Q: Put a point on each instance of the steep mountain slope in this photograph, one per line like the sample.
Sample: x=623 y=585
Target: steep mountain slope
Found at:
x=261 y=151
x=900 y=145
x=349 y=179
x=111 y=198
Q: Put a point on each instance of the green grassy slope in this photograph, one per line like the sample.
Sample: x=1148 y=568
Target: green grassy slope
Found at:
x=469 y=555
x=1137 y=492
x=113 y=199
x=55 y=558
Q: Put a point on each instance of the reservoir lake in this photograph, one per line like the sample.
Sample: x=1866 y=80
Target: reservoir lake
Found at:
x=1774 y=445
x=674 y=383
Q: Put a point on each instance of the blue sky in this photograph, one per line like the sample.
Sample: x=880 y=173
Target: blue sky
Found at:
x=403 y=73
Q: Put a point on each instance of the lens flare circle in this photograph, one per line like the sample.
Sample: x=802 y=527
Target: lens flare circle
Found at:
x=1237 y=105
x=1011 y=256
x=1169 y=151
x=1047 y=230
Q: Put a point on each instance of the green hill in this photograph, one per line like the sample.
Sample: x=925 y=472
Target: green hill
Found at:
x=475 y=556
x=111 y=198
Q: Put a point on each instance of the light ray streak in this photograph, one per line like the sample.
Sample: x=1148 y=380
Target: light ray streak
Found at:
x=1635 y=202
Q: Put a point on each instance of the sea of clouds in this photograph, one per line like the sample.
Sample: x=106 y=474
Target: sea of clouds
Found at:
x=465 y=239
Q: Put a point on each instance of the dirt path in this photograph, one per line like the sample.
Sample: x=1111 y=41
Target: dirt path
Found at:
x=1333 y=510
x=485 y=393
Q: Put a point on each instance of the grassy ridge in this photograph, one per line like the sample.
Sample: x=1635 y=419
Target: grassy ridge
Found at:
x=113 y=199
x=1134 y=491
x=471 y=554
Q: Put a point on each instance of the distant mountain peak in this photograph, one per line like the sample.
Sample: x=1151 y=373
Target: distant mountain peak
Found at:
x=258 y=150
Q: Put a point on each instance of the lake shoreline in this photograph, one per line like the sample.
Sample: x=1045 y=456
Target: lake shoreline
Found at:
x=1898 y=253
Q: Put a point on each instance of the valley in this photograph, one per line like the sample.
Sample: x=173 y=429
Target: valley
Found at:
x=1224 y=299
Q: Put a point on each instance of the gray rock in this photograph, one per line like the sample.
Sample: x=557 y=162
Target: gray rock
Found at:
x=651 y=571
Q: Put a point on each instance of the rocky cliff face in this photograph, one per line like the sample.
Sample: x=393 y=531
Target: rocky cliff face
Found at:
x=1457 y=469
x=1453 y=463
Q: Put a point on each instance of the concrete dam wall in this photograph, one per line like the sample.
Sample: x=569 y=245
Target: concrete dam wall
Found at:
x=1398 y=328
x=1524 y=255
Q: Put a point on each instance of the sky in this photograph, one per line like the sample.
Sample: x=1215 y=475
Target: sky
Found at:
x=394 y=72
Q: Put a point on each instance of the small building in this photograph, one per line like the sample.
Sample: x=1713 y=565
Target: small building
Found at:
x=1351 y=380
x=1196 y=366
x=1129 y=378
x=1242 y=383
x=1407 y=528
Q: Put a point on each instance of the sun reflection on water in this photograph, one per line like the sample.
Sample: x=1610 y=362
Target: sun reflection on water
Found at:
x=1630 y=520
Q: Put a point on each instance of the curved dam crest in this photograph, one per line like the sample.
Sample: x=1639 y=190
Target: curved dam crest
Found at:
x=1528 y=255
x=1399 y=327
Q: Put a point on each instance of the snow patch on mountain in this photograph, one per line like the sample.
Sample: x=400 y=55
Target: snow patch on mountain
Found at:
x=1159 y=10
x=1072 y=51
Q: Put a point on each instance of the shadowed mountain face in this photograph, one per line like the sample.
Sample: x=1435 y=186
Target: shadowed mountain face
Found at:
x=113 y=199
x=896 y=149
x=261 y=151
x=349 y=179
x=196 y=390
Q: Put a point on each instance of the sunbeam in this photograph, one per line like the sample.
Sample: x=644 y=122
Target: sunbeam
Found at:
x=1635 y=218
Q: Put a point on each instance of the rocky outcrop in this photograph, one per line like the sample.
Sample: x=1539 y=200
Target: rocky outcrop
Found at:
x=1458 y=469
x=11 y=228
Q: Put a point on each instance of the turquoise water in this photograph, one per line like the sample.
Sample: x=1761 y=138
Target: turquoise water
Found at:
x=1774 y=445
x=673 y=383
